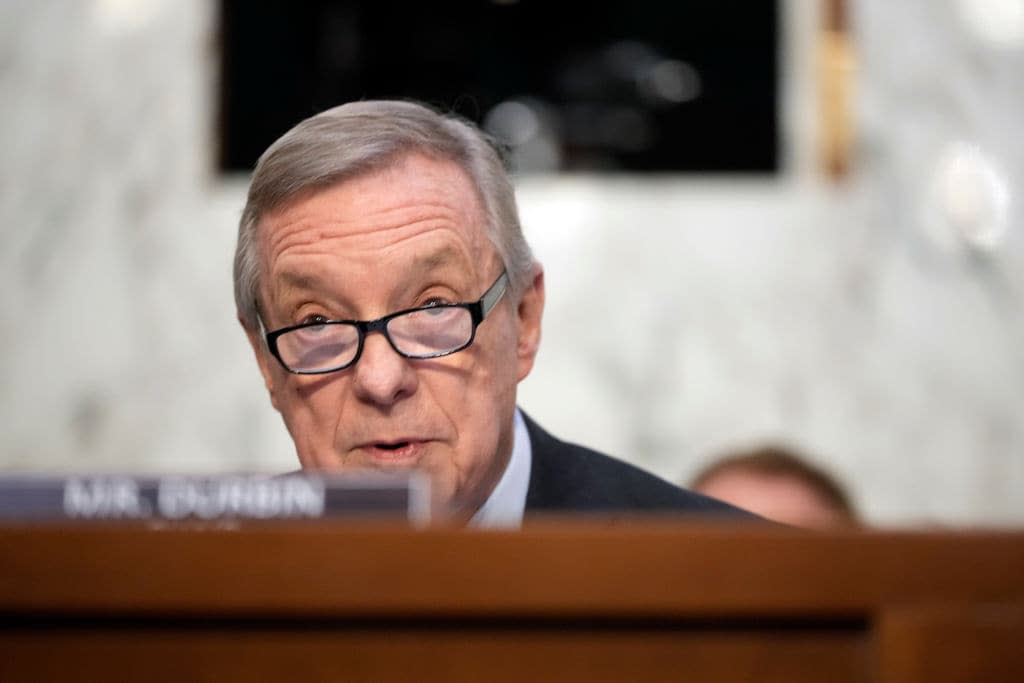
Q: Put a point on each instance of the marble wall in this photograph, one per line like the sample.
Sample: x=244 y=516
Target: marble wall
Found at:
x=876 y=323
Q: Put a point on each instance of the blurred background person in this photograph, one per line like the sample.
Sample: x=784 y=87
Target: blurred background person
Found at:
x=780 y=484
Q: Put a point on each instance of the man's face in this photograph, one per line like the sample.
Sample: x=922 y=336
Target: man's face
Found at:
x=402 y=237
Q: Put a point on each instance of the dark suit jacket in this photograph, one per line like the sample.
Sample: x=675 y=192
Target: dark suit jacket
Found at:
x=565 y=477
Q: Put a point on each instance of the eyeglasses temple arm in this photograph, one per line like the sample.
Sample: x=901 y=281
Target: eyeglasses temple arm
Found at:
x=493 y=295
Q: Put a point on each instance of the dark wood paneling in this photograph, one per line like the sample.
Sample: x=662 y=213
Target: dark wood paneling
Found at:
x=595 y=601
x=956 y=643
x=568 y=570
x=480 y=654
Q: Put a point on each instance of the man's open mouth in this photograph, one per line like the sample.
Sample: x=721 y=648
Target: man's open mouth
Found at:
x=392 y=446
x=404 y=452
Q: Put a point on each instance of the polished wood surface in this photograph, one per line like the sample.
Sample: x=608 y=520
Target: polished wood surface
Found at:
x=560 y=600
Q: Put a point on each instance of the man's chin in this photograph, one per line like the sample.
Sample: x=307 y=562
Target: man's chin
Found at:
x=448 y=509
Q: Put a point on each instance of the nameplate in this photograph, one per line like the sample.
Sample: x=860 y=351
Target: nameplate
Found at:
x=291 y=497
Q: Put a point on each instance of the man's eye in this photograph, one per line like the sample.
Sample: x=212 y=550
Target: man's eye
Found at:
x=435 y=306
x=314 y=319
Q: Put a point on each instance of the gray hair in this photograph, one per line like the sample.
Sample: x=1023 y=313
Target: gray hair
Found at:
x=361 y=137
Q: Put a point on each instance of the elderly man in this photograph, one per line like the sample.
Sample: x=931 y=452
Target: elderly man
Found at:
x=393 y=305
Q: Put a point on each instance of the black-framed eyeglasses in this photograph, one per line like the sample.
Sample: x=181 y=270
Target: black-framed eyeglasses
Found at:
x=426 y=332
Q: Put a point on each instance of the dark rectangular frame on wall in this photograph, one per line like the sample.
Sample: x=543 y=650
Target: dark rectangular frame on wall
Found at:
x=637 y=86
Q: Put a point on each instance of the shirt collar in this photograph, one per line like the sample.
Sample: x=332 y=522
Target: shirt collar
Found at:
x=504 y=508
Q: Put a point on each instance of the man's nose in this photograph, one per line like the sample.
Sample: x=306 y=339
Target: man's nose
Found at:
x=382 y=376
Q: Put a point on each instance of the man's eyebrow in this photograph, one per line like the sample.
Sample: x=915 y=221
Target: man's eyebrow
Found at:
x=437 y=259
x=294 y=280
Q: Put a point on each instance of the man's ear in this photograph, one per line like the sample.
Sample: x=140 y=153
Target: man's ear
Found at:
x=264 y=359
x=529 y=312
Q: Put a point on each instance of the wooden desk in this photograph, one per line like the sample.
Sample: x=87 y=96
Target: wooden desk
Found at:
x=560 y=601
